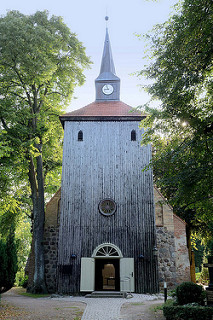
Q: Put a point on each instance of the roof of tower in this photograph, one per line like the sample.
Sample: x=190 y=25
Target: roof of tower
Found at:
x=107 y=71
x=106 y=107
x=104 y=111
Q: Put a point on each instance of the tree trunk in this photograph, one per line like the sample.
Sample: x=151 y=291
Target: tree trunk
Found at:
x=37 y=189
x=191 y=254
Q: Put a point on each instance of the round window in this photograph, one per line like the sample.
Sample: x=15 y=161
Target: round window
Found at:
x=107 y=207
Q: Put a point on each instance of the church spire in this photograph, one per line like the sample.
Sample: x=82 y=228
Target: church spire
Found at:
x=107 y=84
x=107 y=63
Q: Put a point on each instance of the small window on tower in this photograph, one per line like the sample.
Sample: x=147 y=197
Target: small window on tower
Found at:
x=133 y=135
x=80 y=136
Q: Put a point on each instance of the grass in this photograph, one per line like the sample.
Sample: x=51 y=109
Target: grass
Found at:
x=33 y=295
x=22 y=292
x=67 y=308
x=157 y=308
x=157 y=311
x=78 y=315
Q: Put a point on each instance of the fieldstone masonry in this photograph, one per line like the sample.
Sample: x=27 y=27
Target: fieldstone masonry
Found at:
x=51 y=257
x=51 y=233
x=182 y=255
x=173 y=257
x=166 y=257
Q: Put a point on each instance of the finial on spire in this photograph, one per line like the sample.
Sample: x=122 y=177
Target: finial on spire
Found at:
x=106 y=18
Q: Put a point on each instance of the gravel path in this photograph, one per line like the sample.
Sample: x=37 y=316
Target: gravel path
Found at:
x=76 y=308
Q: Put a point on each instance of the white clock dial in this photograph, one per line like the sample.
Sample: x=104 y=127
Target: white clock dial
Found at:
x=107 y=89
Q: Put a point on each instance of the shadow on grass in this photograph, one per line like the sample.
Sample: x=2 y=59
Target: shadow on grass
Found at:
x=21 y=291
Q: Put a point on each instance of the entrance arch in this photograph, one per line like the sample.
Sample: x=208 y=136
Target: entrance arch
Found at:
x=107 y=267
x=107 y=250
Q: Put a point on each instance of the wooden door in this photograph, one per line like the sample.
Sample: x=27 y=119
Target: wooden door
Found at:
x=87 y=274
x=127 y=279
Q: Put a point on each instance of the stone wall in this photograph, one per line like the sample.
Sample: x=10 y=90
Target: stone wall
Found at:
x=51 y=241
x=50 y=246
x=182 y=256
x=51 y=257
x=165 y=241
x=166 y=257
x=30 y=267
x=173 y=257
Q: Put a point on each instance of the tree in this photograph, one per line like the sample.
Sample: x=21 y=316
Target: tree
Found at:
x=181 y=127
x=23 y=242
x=8 y=258
x=41 y=62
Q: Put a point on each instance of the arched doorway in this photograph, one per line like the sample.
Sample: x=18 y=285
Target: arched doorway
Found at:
x=107 y=267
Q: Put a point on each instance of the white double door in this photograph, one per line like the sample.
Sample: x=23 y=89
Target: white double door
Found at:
x=127 y=280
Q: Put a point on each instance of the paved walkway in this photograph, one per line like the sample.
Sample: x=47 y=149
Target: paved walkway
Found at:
x=109 y=308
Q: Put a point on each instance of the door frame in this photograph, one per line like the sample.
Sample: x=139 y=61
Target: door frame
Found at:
x=107 y=251
x=99 y=263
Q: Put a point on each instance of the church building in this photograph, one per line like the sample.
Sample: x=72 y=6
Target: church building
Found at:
x=108 y=228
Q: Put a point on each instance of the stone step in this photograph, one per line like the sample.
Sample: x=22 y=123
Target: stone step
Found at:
x=106 y=294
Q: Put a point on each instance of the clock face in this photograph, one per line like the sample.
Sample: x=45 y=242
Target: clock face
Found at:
x=107 y=89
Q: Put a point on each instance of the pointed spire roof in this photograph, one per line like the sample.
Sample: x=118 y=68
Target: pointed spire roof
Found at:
x=107 y=71
x=107 y=64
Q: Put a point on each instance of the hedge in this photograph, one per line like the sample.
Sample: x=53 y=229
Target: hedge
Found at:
x=187 y=312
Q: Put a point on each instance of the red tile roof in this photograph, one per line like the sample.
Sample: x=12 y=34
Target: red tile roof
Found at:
x=103 y=111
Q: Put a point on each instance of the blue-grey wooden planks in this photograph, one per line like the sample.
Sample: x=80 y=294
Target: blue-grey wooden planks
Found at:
x=106 y=164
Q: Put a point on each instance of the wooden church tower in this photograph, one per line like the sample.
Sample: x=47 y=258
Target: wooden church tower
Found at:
x=107 y=237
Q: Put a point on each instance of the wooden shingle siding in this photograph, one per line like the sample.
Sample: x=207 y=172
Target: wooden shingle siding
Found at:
x=106 y=164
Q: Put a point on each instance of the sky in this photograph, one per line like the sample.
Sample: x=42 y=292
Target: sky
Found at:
x=86 y=18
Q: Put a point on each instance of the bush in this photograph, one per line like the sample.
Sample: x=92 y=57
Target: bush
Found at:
x=21 y=278
x=8 y=259
x=3 y=259
x=198 y=276
x=24 y=282
x=205 y=275
x=189 y=292
x=187 y=312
